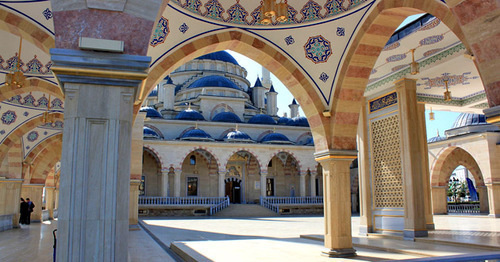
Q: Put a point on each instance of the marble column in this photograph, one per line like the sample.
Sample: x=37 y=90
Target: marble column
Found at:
x=99 y=89
x=10 y=193
x=302 y=184
x=337 y=202
x=426 y=176
x=164 y=183
x=413 y=164
x=365 y=195
x=34 y=192
x=133 y=215
x=483 y=199
x=439 y=204
x=177 y=183
x=56 y=199
x=222 y=183
x=494 y=199
x=312 y=183
x=49 y=201
x=263 y=183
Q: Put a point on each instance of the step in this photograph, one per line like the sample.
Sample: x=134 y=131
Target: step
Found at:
x=246 y=210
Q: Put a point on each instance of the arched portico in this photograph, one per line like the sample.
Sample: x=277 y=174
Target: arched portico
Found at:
x=446 y=162
x=244 y=166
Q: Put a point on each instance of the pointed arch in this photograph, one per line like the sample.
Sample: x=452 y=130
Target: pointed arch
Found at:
x=448 y=160
x=32 y=84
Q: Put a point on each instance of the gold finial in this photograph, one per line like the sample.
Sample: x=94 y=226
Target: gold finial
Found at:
x=236 y=127
x=189 y=105
x=225 y=108
x=196 y=125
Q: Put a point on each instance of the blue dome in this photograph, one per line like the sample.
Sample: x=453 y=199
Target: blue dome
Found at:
x=189 y=114
x=151 y=112
x=154 y=93
x=435 y=139
x=309 y=142
x=219 y=56
x=298 y=121
x=150 y=133
x=275 y=138
x=228 y=117
x=214 y=80
x=196 y=134
x=262 y=119
x=283 y=120
x=469 y=119
x=237 y=136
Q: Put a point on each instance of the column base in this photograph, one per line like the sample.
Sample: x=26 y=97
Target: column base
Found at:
x=430 y=226
x=342 y=252
x=494 y=215
x=365 y=230
x=412 y=234
x=134 y=227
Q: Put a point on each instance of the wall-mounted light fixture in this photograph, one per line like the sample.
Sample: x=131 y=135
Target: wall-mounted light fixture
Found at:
x=16 y=77
x=431 y=115
x=447 y=94
x=414 y=67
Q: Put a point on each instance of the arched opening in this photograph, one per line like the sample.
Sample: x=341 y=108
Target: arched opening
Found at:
x=151 y=179
x=243 y=168
x=198 y=175
x=283 y=176
x=233 y=190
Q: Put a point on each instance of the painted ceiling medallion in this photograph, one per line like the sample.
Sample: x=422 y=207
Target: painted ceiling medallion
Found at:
x=435 y=22
x=395 y=58
x=432 y=51
x=161 y=32
x=318 y=49
x=9 y=117
x=431 y=40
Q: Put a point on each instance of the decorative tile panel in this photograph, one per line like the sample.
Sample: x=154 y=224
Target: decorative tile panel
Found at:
x=318 y=49
x=383 y=102
x=161 y=32
x=9 y=117
x=34 y=66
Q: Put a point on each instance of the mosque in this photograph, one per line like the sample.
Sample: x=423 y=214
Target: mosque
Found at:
x=108 y=106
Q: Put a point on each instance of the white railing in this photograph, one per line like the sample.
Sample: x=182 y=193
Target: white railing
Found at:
x=215 y=204
x=273 y=203
x=464 y=208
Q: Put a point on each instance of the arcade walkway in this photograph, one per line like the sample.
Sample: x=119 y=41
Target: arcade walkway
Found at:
x=264 y=239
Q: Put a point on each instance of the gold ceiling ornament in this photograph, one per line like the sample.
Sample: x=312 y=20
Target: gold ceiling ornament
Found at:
x=47 y=116
x=414 y=67
x=447 y=94
x=270 y=9
x=16 y=77
x=431 y=115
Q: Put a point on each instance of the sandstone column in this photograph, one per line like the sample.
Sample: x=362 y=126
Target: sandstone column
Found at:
x=133 y=215
x=49 y=201
x=302 y=184
x=164 y=182
x=34 y=192
x=10 y=193
x=337 y=202
x=439 y=205
x=177 y=183
x=100 y=89
x=413 y=164
x=222 y=184
x=365 y=196
x=483 y=199
x=426 y=176
x=263 y=183
x=494 y=199
x=313 y=183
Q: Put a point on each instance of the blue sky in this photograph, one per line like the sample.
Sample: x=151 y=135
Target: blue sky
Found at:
x=444 y=120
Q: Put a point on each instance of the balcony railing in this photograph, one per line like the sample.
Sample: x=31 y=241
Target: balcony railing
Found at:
x=273 y=203
x=464 y=208
x=215 y=204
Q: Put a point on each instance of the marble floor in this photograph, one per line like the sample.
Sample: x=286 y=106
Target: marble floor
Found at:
x=264 y=239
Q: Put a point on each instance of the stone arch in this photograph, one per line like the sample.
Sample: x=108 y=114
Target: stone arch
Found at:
x=45 y=162
x=302 y=136
x=18 y=133
x=275 y=154
x=207 y=156
x=251 y=152
x=225 y=132
x=157 y=155
x=374 y=33
x=156 y=129
x=33 y=84
x=448 y=160
x=19 y=25
x=218 y=107
x=46 y=143
x=260 y=51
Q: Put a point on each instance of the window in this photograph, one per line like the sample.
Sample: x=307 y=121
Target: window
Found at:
x=142 y=186
x=192 y=160
x=192 y=186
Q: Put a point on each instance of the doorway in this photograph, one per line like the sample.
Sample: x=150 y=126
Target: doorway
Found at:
x=233 y=190
x=270 y=187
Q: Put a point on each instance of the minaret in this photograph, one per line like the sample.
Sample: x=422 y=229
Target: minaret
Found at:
x=272 y=104
x=168 y=93
x=258 y=94
x=266 y=78
x=294 y=109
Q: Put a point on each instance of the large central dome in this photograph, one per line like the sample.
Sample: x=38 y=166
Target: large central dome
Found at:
x=219 y=56
x=214 y=81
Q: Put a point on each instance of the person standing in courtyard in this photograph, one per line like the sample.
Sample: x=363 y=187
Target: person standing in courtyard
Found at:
x=24 y=210
x=31 y=206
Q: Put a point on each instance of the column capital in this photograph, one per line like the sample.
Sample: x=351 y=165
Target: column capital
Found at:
x=98 y=68
x=334 y=154
x=406 y=83
x=492 y=115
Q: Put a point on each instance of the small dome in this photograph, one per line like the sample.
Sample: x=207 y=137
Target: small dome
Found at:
x=237 y=136
x=214 y=81
x=262 y=119
x=284 y=120
x=309 y=142
x=219 y=56
x=189 y=114
x=469 y=119
x=150 y=133
x=298 y=121
x=153 y=93
x=435 y=139
x=151 y=112
x=275 y=138
x=197 y=135
x=228 y=117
